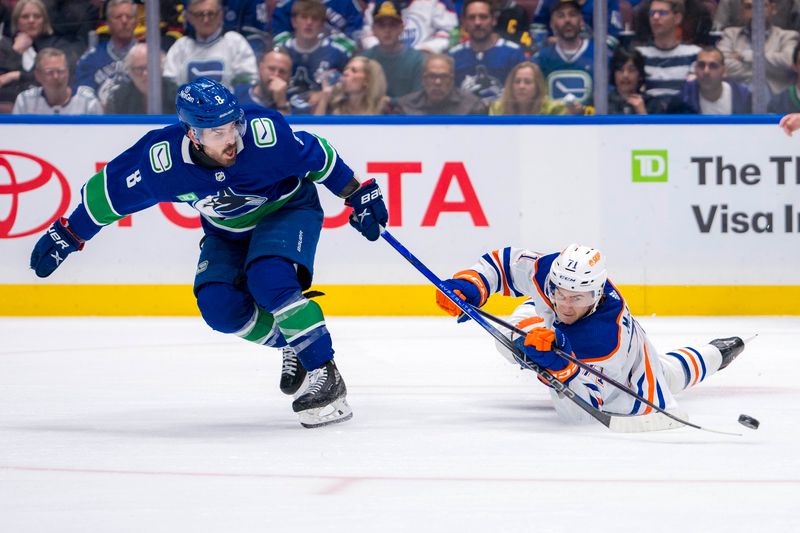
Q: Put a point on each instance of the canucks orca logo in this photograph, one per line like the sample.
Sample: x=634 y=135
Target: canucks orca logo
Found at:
x=482 y=84
x=228 y=204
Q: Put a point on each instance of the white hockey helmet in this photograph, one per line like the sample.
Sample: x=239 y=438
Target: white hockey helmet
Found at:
x=578 y=268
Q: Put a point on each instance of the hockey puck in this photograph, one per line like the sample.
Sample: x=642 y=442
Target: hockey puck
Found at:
x=748 y=421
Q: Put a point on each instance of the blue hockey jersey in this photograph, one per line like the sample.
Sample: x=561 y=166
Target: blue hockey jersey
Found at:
x=343 y=16
x=484 y=73
x=568 y=73
x=271 y=162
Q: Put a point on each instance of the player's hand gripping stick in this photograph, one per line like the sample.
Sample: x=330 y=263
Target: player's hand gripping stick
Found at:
x=369 y=214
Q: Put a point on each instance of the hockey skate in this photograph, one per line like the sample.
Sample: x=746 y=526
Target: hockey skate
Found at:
x=730 y=348
x=325 y=400
x=292 y=372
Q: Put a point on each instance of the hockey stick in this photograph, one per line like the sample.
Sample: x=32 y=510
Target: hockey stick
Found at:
x=620 y=423
x=590 y=369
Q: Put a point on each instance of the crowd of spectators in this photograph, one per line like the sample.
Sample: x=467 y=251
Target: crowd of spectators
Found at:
x=414 y=57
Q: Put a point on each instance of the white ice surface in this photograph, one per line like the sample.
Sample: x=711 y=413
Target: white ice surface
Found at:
x=160 y=425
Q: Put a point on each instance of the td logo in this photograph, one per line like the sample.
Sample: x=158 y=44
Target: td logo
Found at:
x=649 y=166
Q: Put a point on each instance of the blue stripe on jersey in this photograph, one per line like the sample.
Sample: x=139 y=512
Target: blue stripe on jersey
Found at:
x=484 y=281
x=592 y=397
x=702 y=363
x=668 y=62
x=685 y=365
x=661 y=402
x=490 y=261
x=507 y=268
x=640 y=391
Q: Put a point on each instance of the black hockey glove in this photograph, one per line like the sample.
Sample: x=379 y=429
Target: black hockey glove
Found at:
x=369 y=214
x=53 y=247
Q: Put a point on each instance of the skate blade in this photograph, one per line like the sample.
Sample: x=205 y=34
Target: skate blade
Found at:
x=333 y=413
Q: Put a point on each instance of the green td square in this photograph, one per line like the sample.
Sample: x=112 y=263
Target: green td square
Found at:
x=649 y=166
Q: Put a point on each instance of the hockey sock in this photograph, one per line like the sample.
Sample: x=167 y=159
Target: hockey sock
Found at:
x=303 y=326
x=262 y=329
x=693 y=365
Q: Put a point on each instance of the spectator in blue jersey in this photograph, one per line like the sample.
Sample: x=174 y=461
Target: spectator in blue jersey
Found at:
x=428 y=25
x=667 y=62
x=439 y=94
x=253 y=181
x=789 y=100
x=246 y=17
x=568 y=64
x=129 y=94
x=54 y=96
x=545 y=9
x=212 y=52
x=99 y=67
x=314 y=56
x=361 y=90
x=343 y=17
x=402 y=65
x=525 y=93
x=274 y=75
x=626 y=96
x=484 y=60
x=737 y=47
x=709 y=93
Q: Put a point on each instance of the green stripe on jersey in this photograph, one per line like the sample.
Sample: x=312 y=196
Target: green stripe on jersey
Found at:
x=299 y=318
x=330 y=160
x=97 y=202
x=261 y=329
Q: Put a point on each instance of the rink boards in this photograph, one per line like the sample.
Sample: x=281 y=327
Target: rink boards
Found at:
x=694 y=217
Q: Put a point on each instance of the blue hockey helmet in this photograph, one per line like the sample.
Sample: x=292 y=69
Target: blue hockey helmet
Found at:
x=205 y=103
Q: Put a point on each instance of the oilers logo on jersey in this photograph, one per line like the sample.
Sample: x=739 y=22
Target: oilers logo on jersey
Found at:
x=226 y=203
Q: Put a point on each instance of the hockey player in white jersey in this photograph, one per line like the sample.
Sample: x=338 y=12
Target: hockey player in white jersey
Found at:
x=573 y=306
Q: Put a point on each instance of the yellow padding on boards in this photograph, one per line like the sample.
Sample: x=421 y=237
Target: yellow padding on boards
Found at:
x=382 y=300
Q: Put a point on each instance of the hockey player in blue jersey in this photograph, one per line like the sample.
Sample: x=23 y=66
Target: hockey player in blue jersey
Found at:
x=253 y=181
x=573 y=306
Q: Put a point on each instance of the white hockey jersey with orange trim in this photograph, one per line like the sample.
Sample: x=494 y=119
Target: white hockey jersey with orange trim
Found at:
x=610 y=339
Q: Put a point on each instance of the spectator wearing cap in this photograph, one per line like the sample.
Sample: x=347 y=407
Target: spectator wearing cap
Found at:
x=128 y=95
x=484 y=60
x=274 y=75
x=545 y=9
x=402 y=65
x=55 y=96
x=428 y=25
x=99 y=67
x=214 y=53
x=439 y=95
x=568 y=64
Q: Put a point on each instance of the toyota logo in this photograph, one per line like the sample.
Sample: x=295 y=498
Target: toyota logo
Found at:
x=26 y=174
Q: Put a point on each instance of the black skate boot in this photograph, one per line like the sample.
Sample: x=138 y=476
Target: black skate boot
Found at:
x=729 y=348
x=292 y=372
x=325 y=400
